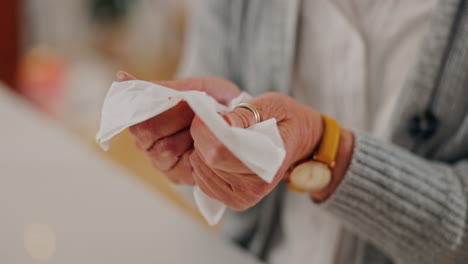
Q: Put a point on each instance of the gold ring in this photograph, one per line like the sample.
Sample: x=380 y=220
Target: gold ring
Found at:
x=252 y=109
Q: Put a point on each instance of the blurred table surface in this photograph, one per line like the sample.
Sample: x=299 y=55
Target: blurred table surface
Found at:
x=63 y=202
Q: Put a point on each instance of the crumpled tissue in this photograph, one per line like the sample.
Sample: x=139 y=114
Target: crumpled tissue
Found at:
x=259 y=147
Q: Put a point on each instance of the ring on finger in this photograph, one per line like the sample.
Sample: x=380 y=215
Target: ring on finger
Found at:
x=252 y=109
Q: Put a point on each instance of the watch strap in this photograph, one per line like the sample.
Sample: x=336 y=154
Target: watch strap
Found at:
x=326 y=152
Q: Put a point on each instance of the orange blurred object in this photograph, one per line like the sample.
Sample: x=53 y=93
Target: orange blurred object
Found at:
x=41 y=79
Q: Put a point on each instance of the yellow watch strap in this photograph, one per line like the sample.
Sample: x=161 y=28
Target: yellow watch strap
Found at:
x=328 y=148
x=311 y=175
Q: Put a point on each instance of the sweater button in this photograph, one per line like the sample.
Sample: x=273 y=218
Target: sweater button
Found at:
x=423 y=125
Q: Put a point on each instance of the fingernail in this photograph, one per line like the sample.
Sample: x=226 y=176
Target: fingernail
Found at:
x=122 y=76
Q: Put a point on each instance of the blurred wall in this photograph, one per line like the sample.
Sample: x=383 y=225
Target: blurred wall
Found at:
x=71 y=51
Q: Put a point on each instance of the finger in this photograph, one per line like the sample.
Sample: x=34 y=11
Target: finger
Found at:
x=136 y=141
x=124 y=76
x=233 y=179
x=269 y=105
x=168 y=123
x=213 y=152
x=208 y=181
x=294 y=120
x=220 y=89
x=167 y=151
x=181 y=172
x=203 y=186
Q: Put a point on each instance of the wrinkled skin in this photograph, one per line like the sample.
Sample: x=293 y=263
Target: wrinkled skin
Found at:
x=180 y=145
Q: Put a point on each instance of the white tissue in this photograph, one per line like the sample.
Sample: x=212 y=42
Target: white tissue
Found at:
x=259 y=147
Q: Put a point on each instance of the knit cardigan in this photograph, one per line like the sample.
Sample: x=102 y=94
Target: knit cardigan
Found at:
x=404 y=201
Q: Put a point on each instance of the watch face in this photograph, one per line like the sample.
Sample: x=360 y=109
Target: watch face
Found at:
x=310 y=176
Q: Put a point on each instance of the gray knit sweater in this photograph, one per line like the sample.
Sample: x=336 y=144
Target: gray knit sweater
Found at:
x=402 y=202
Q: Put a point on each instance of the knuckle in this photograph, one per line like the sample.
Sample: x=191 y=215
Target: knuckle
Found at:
x=150 y=126
x=165 y=164
x=215 y=154
x=146 y=128
x=180 y=174
x=175 y=180
x=140 y=127
x=156 y=164
x=164 y=146
x=133 y=129
x=136 y=142
x=241 y=117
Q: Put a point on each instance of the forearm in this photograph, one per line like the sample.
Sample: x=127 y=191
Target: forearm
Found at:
x=413 y=208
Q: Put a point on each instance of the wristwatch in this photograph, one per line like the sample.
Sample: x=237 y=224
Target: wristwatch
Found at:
x=316 y=174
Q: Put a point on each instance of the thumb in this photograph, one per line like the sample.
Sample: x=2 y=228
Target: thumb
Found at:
x=124 y=76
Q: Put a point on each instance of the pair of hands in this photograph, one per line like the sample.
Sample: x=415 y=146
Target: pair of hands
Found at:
x=180 y=145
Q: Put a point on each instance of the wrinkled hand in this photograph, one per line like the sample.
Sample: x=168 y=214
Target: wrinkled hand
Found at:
x=189 y=153
x=166 y=139
x=222 y=176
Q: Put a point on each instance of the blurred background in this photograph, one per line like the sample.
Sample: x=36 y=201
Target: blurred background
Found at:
x=62 y=55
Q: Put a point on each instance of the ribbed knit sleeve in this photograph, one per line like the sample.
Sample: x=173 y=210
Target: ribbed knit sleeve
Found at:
x=414 y=209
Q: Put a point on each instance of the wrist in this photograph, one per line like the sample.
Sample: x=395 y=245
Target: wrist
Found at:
x=310 y=137
x=343 y=159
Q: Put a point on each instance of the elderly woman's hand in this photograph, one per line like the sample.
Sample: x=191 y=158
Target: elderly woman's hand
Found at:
x=180 y=145
x=222 y=176
x=166 y=139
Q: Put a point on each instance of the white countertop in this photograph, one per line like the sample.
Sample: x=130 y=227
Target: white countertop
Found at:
x=62 y=202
